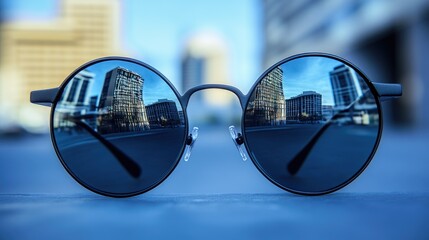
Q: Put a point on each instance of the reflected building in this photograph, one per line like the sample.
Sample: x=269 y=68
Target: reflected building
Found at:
x=76 y=92
x=163 y=113
x=93 y=103
x=362 y=84
x=306 y=107
x=75 y=99
x=343 y=82
x=351 y=92
x=266 y=105
x=93 y=110
x=121 y=101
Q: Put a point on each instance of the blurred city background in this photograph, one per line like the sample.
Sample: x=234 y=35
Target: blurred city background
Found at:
x=231 y=42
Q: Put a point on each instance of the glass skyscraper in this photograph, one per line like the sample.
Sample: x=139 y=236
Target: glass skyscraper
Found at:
x=122 y=100
x=267 y=104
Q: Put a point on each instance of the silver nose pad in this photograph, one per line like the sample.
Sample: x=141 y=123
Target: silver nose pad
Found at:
x=190 y=141
x=238 y=140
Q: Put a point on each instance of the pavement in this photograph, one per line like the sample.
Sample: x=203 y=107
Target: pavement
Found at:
x=215 y=195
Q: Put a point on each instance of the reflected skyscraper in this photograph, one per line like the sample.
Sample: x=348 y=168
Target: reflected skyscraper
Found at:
x=163 y=113
x=267 y=103
x=344 y=86
x=122 y=101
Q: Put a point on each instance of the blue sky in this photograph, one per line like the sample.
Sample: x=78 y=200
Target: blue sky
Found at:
x=155 y=31
x=309 y=74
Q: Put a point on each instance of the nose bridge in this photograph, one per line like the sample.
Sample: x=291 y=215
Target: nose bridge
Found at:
x=241 y=97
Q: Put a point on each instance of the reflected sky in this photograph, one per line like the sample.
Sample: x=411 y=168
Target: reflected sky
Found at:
x=309 y=74
x=154 y=86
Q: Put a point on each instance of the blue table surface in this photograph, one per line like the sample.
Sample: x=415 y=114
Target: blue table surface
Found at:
x=216 y=196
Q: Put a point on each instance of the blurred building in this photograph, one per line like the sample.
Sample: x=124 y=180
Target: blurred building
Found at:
x=192 y=71
x=163 y=113
x=266 y=105
x=39 y=55
x=122 y=101
x=306 y=107
x=204 y=61
x=387 y=39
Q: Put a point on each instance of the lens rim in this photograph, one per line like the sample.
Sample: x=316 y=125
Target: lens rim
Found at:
x=54 y=143
x=374 y=149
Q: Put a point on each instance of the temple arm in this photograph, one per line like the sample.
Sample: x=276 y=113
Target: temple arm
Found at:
x=131 y=166
x=385 y=91
x=47 y=96
x=44 y=97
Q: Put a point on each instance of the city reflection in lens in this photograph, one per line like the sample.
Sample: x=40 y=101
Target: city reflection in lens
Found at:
x=119 y=127
x=311 y=124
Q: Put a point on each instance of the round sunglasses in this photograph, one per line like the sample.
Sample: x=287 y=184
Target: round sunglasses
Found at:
x=311 y=124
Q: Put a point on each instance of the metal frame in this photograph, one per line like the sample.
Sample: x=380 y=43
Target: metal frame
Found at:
x=381 y=91
x=50 y=97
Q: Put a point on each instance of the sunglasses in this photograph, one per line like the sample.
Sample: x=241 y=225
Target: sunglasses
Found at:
x=311 y=124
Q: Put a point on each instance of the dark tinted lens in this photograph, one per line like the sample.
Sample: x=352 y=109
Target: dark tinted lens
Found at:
x=118 y=127
x=311 y=124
